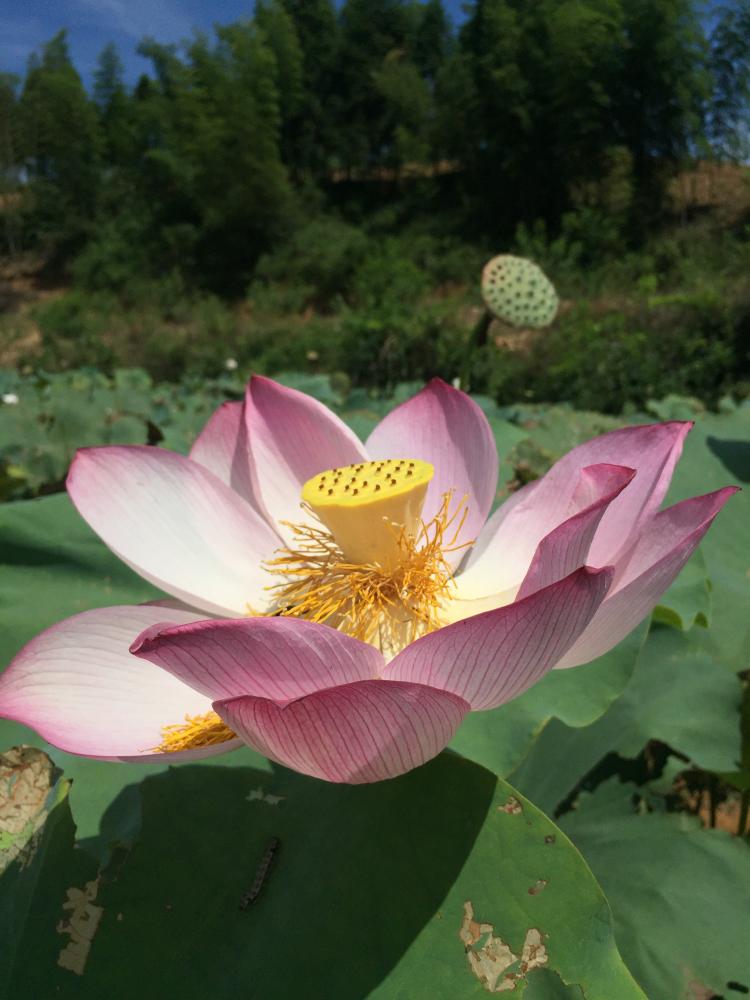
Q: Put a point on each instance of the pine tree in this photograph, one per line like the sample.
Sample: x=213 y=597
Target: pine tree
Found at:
x=281 y=37
x=114 y=106
x=432 y=39
x=371 y=31
x=729 y=117
x=9 y=164
x=311 y=133
x=60 y=142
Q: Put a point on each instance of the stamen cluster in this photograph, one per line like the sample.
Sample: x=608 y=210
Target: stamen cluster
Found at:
x=387 y=606
x=196 y=731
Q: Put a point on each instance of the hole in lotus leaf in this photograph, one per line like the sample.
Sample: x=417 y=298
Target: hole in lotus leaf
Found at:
x=539 y=886
x=83 y=919
x=512 y=807
x=491 y=959
x=259 y=795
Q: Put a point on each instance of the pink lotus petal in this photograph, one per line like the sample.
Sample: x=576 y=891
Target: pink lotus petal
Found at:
x=222 y=448
x=652 y=450
x=292 y=438
x=566 y=548
x=444 y=426
x=357 y=733
x=492 y=524
x=176 y=524
x=277 y=658
x=77 y=685
x=666 y=544
x=495 y=656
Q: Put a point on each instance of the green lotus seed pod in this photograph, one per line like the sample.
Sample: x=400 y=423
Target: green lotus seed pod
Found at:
x=518 y=292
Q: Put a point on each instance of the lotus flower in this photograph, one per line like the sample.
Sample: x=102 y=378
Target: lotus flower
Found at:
x=346 y=634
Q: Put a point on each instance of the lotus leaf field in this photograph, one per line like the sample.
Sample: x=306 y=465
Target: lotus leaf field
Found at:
x=584 y=840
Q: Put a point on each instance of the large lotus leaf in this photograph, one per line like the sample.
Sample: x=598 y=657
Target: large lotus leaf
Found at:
x=547 y=985
x=678 y=894
x=717 y=453
x=39 y=868
x=24 y=446
x=688 y=600
x=678 y=694
x=740 y=778
x=131 y=390
x=442 y=883
x=502 y=737
x=53 y=565
x=59 y=413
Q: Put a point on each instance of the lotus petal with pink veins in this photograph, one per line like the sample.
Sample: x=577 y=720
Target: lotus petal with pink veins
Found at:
x=347 y=670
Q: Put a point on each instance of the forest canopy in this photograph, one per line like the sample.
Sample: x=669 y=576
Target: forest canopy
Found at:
x=382 y=113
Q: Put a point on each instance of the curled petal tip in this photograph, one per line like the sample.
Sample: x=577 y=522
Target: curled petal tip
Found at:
x=146 y=640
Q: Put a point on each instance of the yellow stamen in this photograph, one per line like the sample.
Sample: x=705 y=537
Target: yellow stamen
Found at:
x=387 y=605
x=362 y=504
x=196 y=731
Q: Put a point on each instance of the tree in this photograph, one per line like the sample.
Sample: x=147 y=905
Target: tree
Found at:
x=662 y=92
x=311 y=133
x=114 y=106
x=60 y=144
x=555 y=87
x=408 y=110
x=108 y=85
x=370 y=31
x=280 y=35
x=432 y=39
x=212 y=165
x=9 y=163
x=729 y=111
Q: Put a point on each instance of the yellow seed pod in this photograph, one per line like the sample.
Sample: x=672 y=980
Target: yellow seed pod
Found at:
x=366 y=507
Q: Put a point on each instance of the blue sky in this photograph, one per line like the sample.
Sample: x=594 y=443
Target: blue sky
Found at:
x=26 y=24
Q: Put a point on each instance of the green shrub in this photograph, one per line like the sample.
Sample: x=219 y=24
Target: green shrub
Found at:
x=392 y=344
x=286 y=344
x=315 y=265
x=114 y=256
x=599 y=364
x=388 y=279
x=443 y=259
x=74 y=329
x=684 y=345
